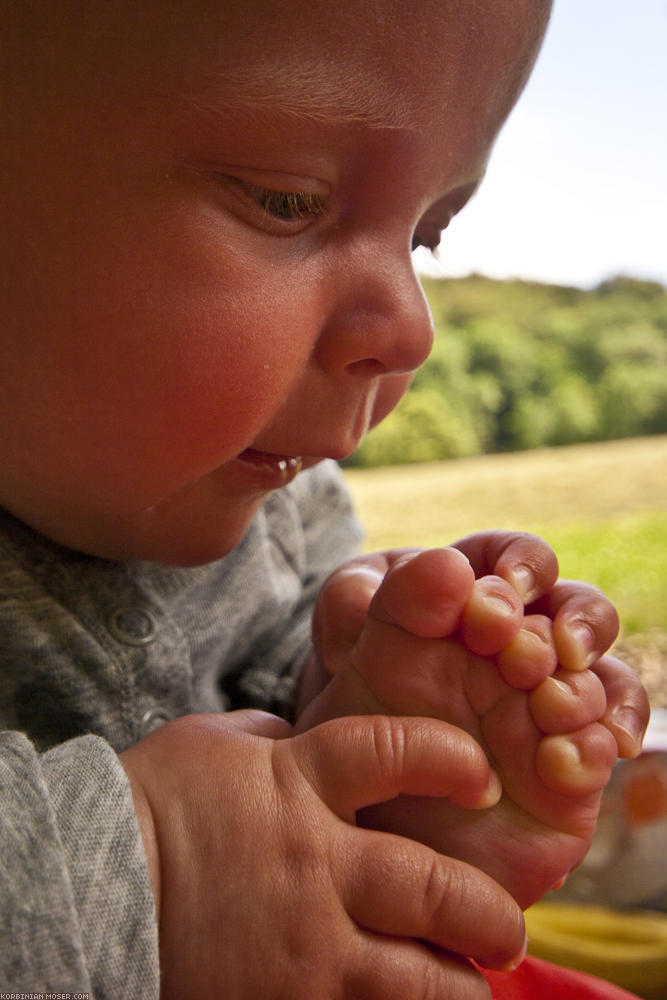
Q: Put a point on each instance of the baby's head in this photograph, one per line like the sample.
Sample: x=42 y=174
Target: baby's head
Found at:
x=207 y=275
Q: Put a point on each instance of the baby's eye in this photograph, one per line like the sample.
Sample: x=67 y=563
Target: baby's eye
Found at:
x=286 y=206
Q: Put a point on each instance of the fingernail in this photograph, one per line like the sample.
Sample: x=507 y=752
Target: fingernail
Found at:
x=523 y=581
x=493 y=793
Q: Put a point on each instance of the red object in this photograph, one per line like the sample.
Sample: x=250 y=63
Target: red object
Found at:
x=539 y=980
x=645 y=790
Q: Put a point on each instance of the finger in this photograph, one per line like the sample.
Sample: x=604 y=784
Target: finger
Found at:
x=492 y=616
x=530 y=656
x=401 y=888
x=390 y=969
x=585 y=623
x=425 y=592
x=361 y=760
x=567 y=701
x=628 y=709
x=527 y=562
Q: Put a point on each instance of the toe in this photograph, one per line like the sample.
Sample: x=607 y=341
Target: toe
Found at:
x=492 y=616
x=567 y=701
x=530 y=656
x=425 y=593
x=579 y=763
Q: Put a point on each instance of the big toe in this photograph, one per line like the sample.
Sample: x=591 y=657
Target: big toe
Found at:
x=425 y=593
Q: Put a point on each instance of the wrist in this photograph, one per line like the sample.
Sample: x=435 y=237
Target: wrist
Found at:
x=146 y=823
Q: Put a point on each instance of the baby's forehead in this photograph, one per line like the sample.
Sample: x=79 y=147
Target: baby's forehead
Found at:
x=382 y=63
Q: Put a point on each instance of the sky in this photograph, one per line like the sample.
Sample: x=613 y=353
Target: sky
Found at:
x=576 y=190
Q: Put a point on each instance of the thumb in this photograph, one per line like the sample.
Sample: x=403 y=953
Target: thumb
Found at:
x=361 y=760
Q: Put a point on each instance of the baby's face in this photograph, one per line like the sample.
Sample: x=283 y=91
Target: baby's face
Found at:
x=207 y=250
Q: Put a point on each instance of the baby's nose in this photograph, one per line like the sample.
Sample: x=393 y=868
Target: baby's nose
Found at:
x=380 y=322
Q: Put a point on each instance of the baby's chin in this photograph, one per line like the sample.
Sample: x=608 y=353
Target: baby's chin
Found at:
x=170 y=534
x=181 y=542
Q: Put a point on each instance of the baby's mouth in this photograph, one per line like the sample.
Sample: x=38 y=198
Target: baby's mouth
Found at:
x=283 y=467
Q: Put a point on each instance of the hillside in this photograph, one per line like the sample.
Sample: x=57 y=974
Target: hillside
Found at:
x=518 y=365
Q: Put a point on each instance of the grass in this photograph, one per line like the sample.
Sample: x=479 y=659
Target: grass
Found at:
x=603 y=508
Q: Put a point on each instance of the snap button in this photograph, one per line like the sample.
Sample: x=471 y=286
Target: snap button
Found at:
x=153 y=719
x=133 y=626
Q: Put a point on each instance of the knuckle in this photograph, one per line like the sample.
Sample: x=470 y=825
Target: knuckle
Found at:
x=442 y=895
x=389 y=744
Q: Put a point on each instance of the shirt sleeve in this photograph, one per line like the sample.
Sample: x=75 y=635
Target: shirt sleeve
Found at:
x=76 y=904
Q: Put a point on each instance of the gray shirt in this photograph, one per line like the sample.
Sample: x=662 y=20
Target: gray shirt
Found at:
x=96 y=654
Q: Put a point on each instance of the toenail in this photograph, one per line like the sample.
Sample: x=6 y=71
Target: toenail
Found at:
x=583 y=639
x=628 y=731
x=561 y=687
x=523 y=581
x=567 y=751
x=498 y=605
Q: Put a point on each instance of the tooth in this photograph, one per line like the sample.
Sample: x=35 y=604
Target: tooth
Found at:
x=289 y=468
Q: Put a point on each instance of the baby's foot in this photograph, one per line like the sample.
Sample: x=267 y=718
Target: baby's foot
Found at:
x=495 y=675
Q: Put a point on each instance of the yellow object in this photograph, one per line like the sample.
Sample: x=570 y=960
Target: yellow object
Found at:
x=626 y=947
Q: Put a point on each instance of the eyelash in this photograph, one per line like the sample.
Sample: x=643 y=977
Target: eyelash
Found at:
x=286 y=206
x=430 y=245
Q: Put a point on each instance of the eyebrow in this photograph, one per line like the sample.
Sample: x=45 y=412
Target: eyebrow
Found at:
x=317 y=94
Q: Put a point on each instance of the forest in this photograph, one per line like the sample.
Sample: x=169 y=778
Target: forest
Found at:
x=518 y=365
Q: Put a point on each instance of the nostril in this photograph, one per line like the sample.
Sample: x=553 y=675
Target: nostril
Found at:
x=367 y=367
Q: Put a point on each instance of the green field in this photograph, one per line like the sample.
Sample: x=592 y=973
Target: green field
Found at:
x=603 y=508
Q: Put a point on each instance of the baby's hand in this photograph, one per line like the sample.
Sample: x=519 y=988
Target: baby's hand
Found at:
x=422 y=635
x=265 y=887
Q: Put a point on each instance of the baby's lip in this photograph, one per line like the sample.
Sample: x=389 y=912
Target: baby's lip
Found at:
x=279 y=468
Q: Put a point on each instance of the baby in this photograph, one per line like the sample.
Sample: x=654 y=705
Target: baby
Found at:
x=207 y=295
